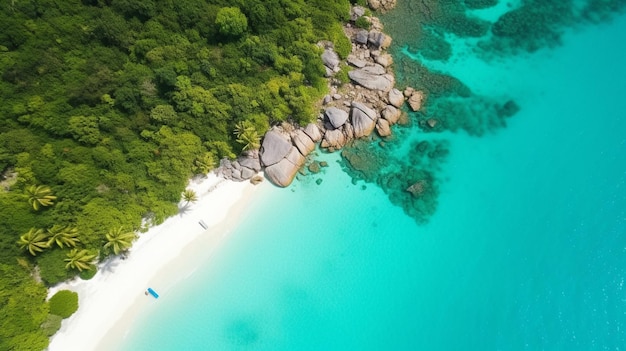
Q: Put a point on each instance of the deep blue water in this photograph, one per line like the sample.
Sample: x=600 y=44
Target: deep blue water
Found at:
x=526 y=251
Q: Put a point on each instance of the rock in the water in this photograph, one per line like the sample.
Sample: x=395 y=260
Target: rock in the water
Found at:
x=432 y=122
x=379 y=40
x=283 y=172
x=313 y=132
x=330 y=59
x=384 y=60
x=391 y=114
x=362 y=37
x=396 y=98
x=303 y=142
x=374 y=81
x=314 y=167
x=416 y=100
x=408 y=92
x=274 y=148
x=382 y=127
x=336 y=117
x=417 y=188
x=363 y=120
x=334 y=138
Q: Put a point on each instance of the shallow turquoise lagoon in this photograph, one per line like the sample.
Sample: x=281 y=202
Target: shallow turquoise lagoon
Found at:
x=527 y=249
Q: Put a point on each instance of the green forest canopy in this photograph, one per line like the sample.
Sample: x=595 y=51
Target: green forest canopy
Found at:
x=109 y=106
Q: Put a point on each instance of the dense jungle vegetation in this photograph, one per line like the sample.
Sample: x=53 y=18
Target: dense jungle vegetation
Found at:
x=109 y=106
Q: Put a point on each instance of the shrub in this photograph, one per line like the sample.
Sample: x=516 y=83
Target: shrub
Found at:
x=64 y=303
x=52 y=324
x=88 y=273
x=363 y=22
x=52 y=267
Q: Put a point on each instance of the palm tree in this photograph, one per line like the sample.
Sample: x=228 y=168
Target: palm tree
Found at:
x=39 y=196
x=35 y=240
x=250 y=140
x=189 y=196
x=119 y=239
x=247 y=135
x=63 y=236
x=80 y=260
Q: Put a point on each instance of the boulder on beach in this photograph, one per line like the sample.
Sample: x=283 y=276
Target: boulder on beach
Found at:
x=283 y=172
x=274 y=148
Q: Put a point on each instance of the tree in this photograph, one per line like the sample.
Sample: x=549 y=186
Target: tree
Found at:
x=119 y=240
x=63 y=236
x=231 y=21
x=247 y=136
x=35 y=240
x=39 y=196
x=189 y=196
x=80 y=260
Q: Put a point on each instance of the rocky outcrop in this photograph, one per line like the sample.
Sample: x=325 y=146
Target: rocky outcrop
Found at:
x=274 y=148
x=381 y=5
x=372 y=77
x=351 y=110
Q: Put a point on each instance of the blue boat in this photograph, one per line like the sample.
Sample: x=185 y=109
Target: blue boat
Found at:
x=153 y=293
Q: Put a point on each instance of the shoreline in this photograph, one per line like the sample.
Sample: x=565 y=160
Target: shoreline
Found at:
x=114 y=297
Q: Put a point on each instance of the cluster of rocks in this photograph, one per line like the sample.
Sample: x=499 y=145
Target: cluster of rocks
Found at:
x=381 y=5
x=368 y=103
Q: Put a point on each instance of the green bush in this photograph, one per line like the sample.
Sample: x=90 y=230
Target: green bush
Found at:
x=88 y=273
x=363 y=22
x=342 y=75
x=52 y=324
x=52 y=267
x=64 y=303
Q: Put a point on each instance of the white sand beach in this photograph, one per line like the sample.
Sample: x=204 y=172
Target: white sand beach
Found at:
x=111 y=299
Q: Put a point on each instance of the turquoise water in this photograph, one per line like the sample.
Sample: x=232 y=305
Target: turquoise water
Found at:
x=526 y=251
